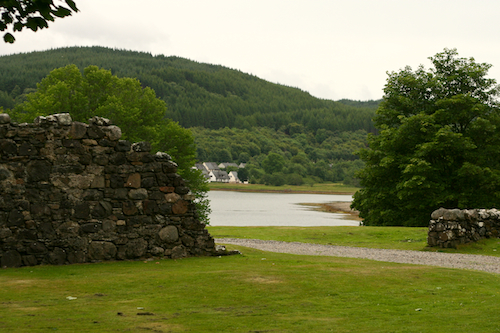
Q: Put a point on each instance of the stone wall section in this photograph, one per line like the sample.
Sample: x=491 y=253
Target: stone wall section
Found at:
x=449 y=228
x=72 y=192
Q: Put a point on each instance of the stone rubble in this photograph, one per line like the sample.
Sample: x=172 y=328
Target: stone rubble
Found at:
x=449 y=228
x=72 y=192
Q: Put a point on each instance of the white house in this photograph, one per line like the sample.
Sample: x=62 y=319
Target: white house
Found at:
x=233 y=177
x=219 y=176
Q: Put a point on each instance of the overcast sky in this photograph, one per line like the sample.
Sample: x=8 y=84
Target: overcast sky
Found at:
x=333 y=49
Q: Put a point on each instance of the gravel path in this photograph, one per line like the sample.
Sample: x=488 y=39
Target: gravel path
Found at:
x=451 y=260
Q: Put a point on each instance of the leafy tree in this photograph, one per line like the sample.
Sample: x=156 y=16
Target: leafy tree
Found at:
x=273 y=163
x=439 y=144
x=31 y=14
x=136 y=110
x=243 y=174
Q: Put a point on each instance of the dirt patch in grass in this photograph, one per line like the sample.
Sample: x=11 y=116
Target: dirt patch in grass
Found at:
x=263 y=279
x=18 y=283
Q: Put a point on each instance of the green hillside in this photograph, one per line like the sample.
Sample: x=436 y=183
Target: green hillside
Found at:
x=222 y=106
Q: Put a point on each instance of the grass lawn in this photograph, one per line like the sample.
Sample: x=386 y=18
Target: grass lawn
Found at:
x=254 y=292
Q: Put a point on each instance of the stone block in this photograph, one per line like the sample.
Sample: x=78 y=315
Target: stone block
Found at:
x=98 y=182
x=133 y=180
x=8 y=147
x=123 y=146
x=138 y=194
x=178 y=252
x=11 y=258
x=95 y=132
x=169 y=234
x=56 y=257
x=129 y=208
x=142 y=146
x=4 y=118
x=172 y=197
x=38 y=170
x=180 y=207
x=77 y=130
x=102 y=251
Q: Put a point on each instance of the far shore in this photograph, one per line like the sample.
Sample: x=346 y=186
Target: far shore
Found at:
x=326 y=188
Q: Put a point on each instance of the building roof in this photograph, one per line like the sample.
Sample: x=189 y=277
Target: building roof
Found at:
x=219 y=174
x=211 y=166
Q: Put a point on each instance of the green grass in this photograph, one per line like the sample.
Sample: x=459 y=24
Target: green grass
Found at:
x=258 y=291
x=328 y=188
x=400 y=238
x=254 y=292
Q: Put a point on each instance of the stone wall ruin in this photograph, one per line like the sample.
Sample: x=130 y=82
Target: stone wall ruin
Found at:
x=72 y=192
x=449 y=228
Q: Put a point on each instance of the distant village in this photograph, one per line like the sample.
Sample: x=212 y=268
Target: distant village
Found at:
x=214 y=172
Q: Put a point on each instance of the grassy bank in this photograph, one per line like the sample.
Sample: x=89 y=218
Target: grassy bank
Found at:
x=399 y=238
x=326 y=188
x=254 y=292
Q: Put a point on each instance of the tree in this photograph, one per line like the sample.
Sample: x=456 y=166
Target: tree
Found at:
x=273 y=163
x=438 y=144
x=31 y=14
x=136 y=110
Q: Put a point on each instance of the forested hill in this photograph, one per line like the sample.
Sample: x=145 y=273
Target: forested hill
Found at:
x=285 y=135
x=196 y=94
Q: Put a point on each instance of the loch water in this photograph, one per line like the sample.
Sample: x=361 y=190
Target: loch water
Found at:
x=230 y=208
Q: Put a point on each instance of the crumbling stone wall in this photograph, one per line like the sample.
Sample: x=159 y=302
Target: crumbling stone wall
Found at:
x=452 y=227
x=72 y=192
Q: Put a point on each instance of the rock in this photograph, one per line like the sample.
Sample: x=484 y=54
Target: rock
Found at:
x=141 y=146
x=138 y=194
x=99 y=121
x=133 y=180
x=178 y=252
x=172 y=197
x=180 y=207
x=157 y=251
x=438 y=213
x=129 y=208
x=4 y=118
x=160 y=156
x=8 y=147
x=136 y=248
x=38 y=170
x=169 y=234
x=63 y=119
x=113 y=132
x=123 y=146
x=78 y=130
x=102 y=251
x=56 y=257
x=11 y=258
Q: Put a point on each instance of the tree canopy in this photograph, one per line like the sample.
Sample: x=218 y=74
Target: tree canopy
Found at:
x=33 y=15
x=438 y=144
x=136 y=110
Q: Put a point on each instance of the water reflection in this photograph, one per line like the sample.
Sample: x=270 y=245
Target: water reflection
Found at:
x=273 y=209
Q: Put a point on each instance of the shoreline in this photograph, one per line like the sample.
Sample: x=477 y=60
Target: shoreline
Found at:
x=281 y=191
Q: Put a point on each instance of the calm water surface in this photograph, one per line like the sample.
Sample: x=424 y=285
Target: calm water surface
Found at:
x=273 y=209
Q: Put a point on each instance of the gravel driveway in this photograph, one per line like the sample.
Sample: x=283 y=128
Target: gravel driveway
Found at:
x=450 y=260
